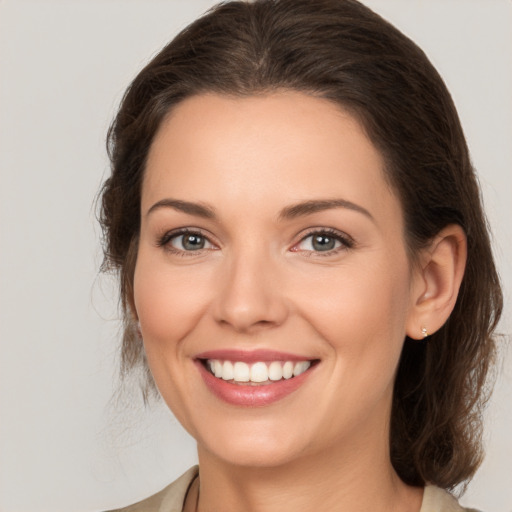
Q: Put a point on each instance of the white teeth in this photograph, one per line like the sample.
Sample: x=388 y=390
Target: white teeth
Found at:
x=300 y=367
x=257 y=372
x=288 y=370
x=241 y=372
x=217 y=369
x=275 y=371
x=227 y=370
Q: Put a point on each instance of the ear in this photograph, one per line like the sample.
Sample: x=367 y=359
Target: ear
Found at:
x=436 y=282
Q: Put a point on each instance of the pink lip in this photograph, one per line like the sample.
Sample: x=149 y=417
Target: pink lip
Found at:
x=247 y=395
x=251 y=356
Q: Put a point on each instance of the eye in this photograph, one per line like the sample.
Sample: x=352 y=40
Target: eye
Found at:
x=319 y=242
x=185 y=241
x=189 y=242
x=324 y=241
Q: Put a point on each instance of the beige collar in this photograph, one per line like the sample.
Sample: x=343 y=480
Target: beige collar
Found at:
x=173 y=497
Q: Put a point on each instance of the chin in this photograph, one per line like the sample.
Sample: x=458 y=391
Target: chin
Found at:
x=251 y=449
x=259 y=457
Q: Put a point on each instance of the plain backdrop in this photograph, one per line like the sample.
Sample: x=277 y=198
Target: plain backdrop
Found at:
x=69 y=441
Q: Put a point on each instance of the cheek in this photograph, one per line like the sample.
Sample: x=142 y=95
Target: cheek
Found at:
x=168 y=303
x=361 y=316
x=361 y=310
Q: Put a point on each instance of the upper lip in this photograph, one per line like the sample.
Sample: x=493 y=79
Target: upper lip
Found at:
x=251 y=356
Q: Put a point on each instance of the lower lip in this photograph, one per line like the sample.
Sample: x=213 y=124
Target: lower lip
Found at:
x=247 y=395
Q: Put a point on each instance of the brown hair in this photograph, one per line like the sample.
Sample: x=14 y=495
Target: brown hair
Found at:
x=342 y=51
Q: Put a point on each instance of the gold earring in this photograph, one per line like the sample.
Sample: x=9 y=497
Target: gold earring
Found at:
x=424 y=332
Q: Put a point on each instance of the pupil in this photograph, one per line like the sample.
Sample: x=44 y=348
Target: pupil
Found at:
x=323 y=243
x=193 y=242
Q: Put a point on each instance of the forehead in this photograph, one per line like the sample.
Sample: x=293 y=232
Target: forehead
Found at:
x=271 y=149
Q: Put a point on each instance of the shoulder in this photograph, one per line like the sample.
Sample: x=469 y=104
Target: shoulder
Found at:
x=169 y=499
x=439 y=500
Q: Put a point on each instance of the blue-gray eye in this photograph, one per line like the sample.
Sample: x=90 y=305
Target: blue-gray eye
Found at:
x=323 y=243
x=320 y=242
x=190 y=242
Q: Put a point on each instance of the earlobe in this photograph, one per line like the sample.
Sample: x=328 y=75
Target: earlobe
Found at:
x=437 y=282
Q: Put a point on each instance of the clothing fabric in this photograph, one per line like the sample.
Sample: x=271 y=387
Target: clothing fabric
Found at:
x=172 y=498
x=169 y=499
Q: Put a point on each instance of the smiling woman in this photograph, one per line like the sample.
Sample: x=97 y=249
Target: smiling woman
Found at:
x=273 y=281
x=305 y=265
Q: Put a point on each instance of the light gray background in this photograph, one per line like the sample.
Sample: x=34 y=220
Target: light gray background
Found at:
x=64 y=444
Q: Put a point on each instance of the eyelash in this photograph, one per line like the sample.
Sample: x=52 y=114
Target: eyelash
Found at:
x=346 y=241
x=164 y=241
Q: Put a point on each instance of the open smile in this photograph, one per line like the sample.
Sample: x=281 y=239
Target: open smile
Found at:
x=260 y=372
x=255 y=378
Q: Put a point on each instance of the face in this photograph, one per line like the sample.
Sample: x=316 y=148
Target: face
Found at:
x=272 y=255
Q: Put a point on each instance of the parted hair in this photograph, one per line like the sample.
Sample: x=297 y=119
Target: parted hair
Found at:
x=341 y=51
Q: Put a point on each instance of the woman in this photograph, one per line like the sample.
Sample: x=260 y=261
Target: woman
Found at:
x=304 y=261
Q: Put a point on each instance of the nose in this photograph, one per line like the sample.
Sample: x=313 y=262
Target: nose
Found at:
x=250 y=296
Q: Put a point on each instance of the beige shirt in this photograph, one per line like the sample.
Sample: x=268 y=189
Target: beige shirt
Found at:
x=172 y=498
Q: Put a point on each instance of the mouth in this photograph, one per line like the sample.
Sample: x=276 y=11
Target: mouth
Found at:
x=257 y=373
x=256 y=378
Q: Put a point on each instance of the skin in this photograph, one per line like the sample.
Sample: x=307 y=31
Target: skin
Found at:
x=260 y=284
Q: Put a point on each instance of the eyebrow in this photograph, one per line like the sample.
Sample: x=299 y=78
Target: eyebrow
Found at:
x=197 y=209
x=289 y=212
x=318 y=205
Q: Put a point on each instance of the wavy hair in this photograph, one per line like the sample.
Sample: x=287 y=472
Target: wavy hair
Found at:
x=341 y=51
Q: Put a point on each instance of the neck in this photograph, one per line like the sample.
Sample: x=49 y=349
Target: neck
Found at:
x=359 y=478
